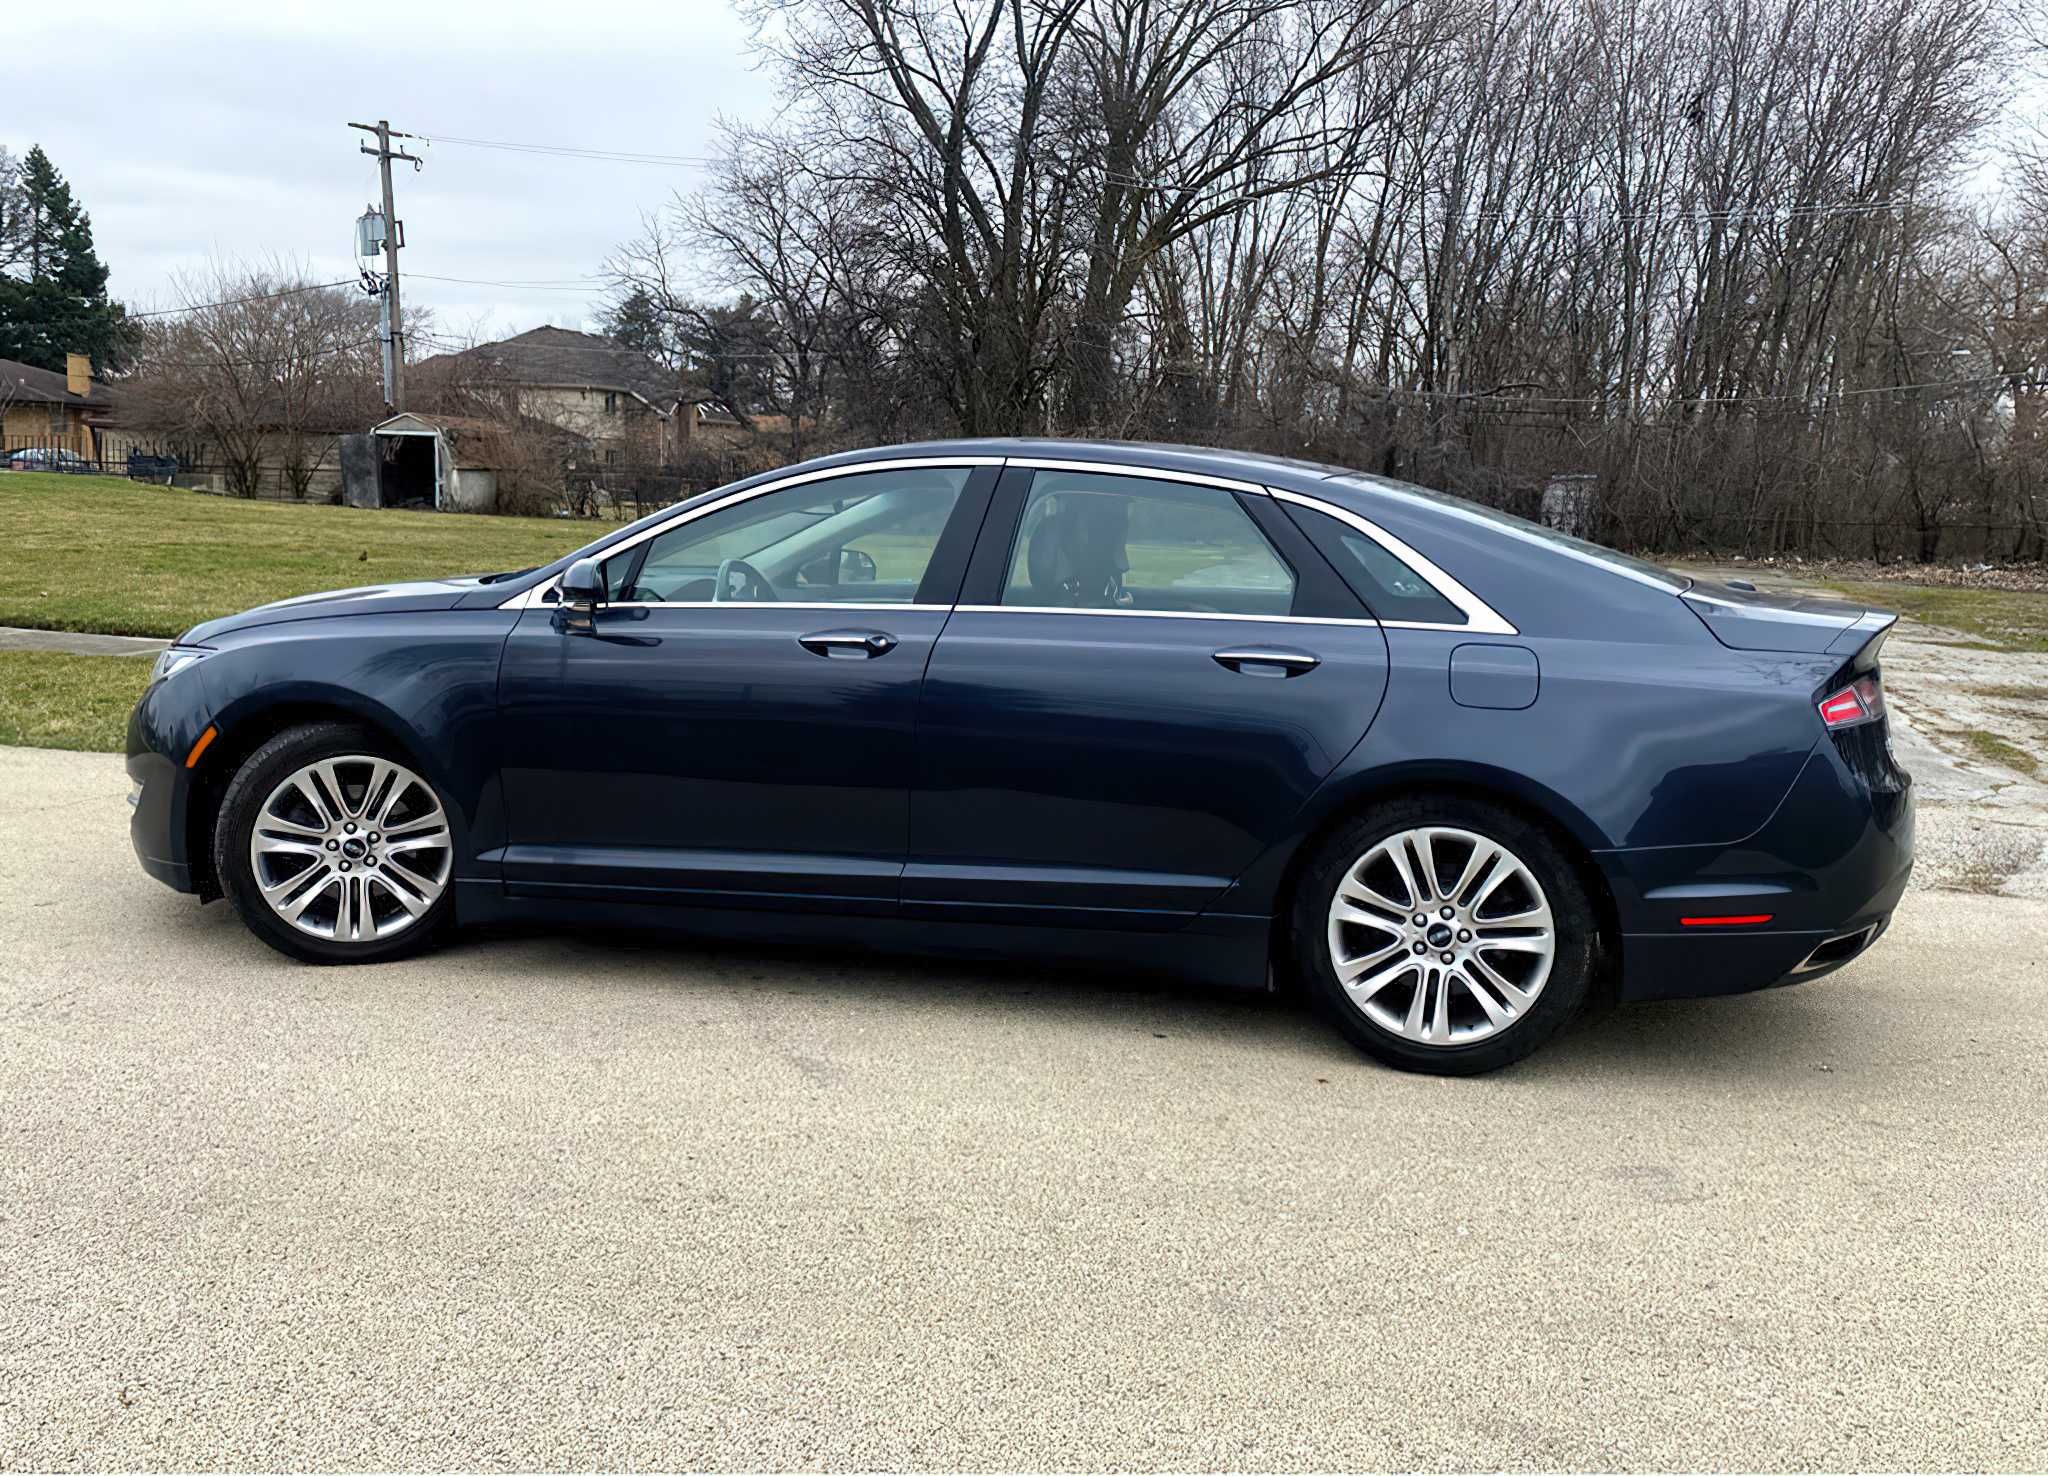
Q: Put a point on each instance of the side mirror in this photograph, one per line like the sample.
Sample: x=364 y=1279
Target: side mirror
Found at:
x=582 y=593
x=856 y=567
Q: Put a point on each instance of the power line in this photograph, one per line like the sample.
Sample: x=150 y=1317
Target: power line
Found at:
x=1477 y=399
x=456 y=345
x=559 y=284
x=1493 y=400
x=1707 y=215
x=152 y=366
x=569 y=151
x=200 y=307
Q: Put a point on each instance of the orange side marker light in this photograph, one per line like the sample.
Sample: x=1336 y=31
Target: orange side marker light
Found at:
x=200 y=747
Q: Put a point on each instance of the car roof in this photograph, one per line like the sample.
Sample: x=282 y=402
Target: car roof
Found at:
x=1243 y=466
x=1362 y=492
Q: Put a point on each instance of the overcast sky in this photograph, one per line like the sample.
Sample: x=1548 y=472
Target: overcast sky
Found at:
x=197 y=129
x=217 y=129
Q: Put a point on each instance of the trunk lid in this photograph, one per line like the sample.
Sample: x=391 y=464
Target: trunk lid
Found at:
x=1745 y=618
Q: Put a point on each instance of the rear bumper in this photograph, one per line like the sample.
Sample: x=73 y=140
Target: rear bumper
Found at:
x=1697 y=965
x=1828 y=869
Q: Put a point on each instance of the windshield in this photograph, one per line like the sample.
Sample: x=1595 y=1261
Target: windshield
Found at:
x=1578 y=548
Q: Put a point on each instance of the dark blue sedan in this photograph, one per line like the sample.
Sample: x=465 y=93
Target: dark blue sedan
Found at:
x=1253 y=720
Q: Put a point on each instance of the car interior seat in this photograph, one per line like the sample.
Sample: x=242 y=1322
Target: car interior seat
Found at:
x=1076 y=556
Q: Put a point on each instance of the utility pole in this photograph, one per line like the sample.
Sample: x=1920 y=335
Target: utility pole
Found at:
x=394 y=325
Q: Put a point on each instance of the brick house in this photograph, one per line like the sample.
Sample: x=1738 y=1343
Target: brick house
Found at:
x=39 y=407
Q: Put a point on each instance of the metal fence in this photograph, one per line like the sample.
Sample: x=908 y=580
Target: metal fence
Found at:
x=127 y=458
x=606 y=492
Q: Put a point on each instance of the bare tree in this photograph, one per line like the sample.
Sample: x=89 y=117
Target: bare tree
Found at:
x=264 y=367
x=1717 y=257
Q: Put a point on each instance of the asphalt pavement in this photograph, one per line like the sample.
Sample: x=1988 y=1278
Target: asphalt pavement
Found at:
x=544 y=1201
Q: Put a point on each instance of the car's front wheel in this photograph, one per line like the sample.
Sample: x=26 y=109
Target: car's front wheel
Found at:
x=1444 y=934
x=333 y=850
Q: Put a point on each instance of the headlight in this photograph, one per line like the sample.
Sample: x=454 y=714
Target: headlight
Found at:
x=174 y=660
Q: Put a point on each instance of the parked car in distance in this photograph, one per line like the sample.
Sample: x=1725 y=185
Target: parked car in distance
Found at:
x=144 y=466
x=46 y=459
x=1247 y=719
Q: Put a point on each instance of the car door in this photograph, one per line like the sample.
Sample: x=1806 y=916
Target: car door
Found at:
x=735 y=723
x=1146 y=678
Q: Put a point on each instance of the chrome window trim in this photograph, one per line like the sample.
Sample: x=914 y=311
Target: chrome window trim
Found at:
x=534 y=598
x=768 y=605
x=1480 y=617
x=1156 y=474
x=1169 y=615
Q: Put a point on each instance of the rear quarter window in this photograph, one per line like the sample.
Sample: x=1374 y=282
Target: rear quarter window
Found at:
x=1390 y=589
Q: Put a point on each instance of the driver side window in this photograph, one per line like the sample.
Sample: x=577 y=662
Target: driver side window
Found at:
x=865 y=538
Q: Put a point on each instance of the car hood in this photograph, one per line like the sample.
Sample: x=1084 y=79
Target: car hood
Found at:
x=1749 y=619
x=368 y=599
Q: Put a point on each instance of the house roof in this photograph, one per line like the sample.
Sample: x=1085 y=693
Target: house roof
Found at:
x=561 y=357
x=421 y=422
x=25 y=383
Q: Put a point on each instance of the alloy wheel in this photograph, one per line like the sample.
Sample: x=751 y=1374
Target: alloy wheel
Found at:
x=352 y=849
x=1441 y=936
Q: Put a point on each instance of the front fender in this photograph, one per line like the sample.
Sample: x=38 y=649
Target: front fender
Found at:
x=426 y=680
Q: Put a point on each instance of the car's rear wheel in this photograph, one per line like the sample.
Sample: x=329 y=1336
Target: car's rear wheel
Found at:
x=333 y=850
x=1444 y=934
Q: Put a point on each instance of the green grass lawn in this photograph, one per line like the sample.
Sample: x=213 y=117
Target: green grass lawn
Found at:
x=107 y=555
x=2009 y=619
x=51 y=700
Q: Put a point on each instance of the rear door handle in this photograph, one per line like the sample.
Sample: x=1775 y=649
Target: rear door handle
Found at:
x=849 y=644
x=1267 y=661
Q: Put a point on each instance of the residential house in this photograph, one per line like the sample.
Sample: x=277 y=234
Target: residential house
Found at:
x=39 y=407
x=617 y=401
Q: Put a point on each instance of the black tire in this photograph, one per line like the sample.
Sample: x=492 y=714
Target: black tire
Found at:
x=1573 y=963
x=253 y=783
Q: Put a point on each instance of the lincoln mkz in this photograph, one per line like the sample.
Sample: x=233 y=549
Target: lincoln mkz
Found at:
x=1449 y=773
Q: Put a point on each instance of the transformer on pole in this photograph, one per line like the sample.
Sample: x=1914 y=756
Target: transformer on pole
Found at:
x=370 y=236
x=382 y=227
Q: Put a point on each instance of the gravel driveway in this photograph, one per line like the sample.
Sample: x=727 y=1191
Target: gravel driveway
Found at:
x=568 y=1201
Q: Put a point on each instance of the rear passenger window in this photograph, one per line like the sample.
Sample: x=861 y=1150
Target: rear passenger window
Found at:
x=1390 y=589
x=1089 y=542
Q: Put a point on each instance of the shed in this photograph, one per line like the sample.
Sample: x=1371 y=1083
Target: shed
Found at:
x=446 y=461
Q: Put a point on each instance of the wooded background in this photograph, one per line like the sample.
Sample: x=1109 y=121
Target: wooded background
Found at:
x=1734 y=265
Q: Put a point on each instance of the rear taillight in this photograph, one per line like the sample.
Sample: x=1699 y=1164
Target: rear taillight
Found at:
x=1862 y=701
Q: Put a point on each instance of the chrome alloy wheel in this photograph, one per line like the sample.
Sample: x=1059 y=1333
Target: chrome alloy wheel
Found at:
x=1441 y=936
x=351 y=849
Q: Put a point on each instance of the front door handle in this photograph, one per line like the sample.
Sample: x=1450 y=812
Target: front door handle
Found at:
x=849 y=644
x=1267 y=661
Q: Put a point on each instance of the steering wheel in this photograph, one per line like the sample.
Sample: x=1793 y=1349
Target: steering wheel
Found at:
x=739 y=580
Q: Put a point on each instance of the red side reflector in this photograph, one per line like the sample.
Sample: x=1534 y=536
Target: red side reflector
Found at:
x=1733 y=920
